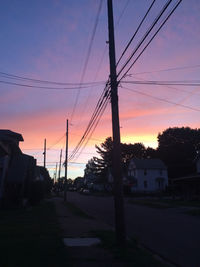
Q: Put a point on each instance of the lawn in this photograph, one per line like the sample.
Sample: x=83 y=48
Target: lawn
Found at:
x=193 y=212
x=164 y=203
x=31 y=237
x=131 y=254
x=151 y=203
x=77 y=211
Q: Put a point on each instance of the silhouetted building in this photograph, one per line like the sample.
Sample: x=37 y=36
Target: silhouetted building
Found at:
x=17 y=170
x=188 y=186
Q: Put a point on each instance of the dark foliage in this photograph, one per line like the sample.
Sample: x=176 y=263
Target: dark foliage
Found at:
x=100 y=166
x=178 y=147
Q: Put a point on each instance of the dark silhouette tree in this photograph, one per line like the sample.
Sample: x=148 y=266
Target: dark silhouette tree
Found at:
x=178 y=147
x=130 y=151
x=92 y=167
x=100 y=166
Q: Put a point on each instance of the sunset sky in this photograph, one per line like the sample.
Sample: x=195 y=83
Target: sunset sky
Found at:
x=49 y=40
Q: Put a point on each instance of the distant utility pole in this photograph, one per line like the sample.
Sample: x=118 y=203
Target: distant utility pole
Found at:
x=44 y=153
x=56 y=172
x=116 y=161
x=59 y=171
x=66 y=162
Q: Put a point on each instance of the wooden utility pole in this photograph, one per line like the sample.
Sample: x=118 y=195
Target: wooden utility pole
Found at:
x=66 y=162
x=56 y=171
x=44 y=153
x=116 y=161
x=59 y=171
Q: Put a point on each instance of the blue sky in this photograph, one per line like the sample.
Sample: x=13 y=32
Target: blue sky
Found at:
x=48 y=40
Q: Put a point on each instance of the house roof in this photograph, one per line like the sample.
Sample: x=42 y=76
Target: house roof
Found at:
x=10 y=136
x=149 y=163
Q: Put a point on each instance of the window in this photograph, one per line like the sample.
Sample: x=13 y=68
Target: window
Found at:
x=132 y=173
x=145 y=184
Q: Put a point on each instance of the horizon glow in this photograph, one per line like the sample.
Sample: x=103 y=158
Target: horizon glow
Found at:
x=48 y=40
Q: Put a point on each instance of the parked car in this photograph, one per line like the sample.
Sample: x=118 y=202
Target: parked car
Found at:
x=86 y=191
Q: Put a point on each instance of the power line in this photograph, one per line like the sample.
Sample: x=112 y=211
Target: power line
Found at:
x=95 y=139
x=162 y=24
x=165 y=70
x=54 y=162
x=145 y=35
x=56 y=142
x=100 y=105
x=87 y=58
x=95 y=126
x=178 y=83
x=122 y=13
x=102 y=57
x=160 y=99
x=16 y=77
x=170 y=87
x=94 y=118
x=127 y=46
x=47 y=87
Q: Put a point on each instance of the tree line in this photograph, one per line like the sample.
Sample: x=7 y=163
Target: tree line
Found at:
x=178 y=147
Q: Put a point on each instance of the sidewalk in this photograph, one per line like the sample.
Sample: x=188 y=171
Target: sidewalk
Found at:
x=74 y=226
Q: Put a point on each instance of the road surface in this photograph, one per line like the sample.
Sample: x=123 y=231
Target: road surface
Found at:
x=169 y=232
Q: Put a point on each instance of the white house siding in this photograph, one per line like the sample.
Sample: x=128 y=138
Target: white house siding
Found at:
x=150 y=179
x=153 y=178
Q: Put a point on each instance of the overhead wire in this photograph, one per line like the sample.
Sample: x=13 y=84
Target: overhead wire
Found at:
x=178 y=83
x=122 y=13
x=96 y=122
x=47 y=87
x=95 y=115
x=151 y=39
x=93 y=121
x=156 y=20
x=168 y=86
x=100 y=107
x=58 y=141
x=160 y=99
x=139 y=26
x=21 y=78
x=165 y=70
x=87 y=58
x=102 y=57
x=81 y=141
x=89 y=127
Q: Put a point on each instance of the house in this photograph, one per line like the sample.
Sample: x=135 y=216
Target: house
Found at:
x=147 y=175
x=18 y=172
x=9 y=147
x=188 y=187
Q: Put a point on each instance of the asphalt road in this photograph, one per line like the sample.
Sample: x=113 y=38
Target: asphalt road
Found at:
x=169 y=232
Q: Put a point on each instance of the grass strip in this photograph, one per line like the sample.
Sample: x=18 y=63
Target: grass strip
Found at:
x=151 y=204
x=131 y=254
x=31 y=237
x=77 y=211
x=165 y=203
x=193 y=212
